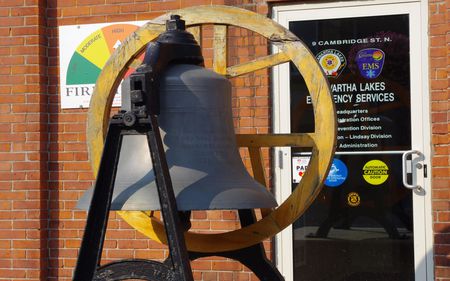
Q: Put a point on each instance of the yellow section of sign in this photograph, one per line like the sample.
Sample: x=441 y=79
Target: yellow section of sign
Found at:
x=375 y=172
x=95 y=49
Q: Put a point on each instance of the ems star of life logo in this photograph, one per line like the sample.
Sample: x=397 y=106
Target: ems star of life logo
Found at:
x=332 y=62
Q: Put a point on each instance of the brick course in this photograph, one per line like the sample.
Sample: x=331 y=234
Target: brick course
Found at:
x=44 y=167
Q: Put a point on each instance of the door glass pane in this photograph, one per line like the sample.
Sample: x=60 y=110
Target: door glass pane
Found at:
x=360 y=226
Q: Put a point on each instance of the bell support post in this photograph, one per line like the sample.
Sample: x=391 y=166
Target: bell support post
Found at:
x=97 y=220
x=177 y=267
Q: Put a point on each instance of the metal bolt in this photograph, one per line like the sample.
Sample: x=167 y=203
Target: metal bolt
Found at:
x=129 y=119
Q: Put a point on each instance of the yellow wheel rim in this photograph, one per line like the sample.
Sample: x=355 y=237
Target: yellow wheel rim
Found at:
x=322 y=141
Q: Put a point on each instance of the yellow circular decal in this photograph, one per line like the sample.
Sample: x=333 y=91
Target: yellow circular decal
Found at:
x=353 y=199
x=375 y=172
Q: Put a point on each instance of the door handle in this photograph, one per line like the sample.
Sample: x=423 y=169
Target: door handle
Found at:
x=280 y=159
x=410 y=165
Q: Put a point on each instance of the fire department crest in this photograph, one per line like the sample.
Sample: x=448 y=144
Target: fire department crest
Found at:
x=332 y=62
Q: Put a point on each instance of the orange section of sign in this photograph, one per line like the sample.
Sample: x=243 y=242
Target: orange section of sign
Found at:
x=116 y=33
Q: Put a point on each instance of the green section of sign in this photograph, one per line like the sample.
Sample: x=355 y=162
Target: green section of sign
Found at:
x=81 y=71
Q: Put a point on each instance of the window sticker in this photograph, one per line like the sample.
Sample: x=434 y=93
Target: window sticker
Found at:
x=337 y=175
x=370 y=62
x=332 y=62
x=375 y=172
x=353 y=199
x=299 y=166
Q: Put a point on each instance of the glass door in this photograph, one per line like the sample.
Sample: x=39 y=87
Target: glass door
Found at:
x=371 y=220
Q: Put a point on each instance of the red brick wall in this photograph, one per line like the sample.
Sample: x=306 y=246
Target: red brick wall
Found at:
x=70 y=170
x=439 y=12
x=43 y=160
x=23 y=140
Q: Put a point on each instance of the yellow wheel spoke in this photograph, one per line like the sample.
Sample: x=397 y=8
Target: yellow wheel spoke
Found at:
x=220 y=49
x=257 y=64
x=258 y=171
x=257 y=165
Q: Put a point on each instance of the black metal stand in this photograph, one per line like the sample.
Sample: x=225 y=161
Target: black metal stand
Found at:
x=252 y=257
x=90 y=252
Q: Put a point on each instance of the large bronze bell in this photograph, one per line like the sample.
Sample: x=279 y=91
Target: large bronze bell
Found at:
x=199 y=140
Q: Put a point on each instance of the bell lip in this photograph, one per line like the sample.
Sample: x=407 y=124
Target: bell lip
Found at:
x=270 y=202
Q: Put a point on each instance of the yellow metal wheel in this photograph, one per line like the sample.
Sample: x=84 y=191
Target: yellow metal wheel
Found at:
x=322 y=141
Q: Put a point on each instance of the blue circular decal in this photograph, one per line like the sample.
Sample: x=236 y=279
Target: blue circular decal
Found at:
x=337 y=174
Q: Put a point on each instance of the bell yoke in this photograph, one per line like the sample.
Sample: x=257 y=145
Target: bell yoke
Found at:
x=173 y=150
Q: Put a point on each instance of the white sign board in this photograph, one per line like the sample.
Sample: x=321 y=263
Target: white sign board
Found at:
x=83 y=51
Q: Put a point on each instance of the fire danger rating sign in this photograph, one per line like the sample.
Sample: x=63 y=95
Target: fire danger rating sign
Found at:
x=84 y=50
